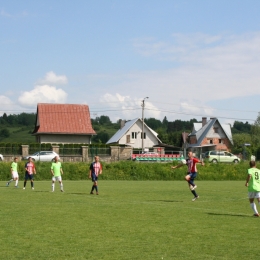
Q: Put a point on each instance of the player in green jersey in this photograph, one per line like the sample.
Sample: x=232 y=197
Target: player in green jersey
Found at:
x=253 y=184
x=56 y=170
x=14 y=173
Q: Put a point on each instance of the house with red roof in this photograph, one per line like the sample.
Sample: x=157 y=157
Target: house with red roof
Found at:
x=63 y=123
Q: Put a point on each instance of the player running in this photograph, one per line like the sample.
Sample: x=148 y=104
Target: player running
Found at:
x=253 y=184
x=14 y=173
x=192 y=172
x=56 y=170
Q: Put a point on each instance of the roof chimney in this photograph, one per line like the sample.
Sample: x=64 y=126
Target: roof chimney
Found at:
x=122 y=124
x=204 y=121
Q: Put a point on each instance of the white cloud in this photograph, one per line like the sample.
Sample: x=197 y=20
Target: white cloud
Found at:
x=52 y=78
x=42 y=94
x=129 y=107
x=8 y=15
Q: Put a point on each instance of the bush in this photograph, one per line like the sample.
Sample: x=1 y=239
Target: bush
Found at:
x=129 y=170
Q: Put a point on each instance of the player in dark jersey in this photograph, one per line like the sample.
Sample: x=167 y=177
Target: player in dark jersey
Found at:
x=94 y=170
x=192 y=172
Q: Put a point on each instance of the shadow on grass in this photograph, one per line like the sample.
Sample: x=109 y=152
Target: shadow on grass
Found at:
x=228 y=214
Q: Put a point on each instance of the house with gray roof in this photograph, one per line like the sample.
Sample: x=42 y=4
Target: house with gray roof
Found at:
x=131 y=134
x=210 y=135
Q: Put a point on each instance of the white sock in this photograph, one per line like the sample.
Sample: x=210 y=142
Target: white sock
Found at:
x=61 y=186
x=16 y=183
x=253 y=206
x=53 y=186
x=11 y=180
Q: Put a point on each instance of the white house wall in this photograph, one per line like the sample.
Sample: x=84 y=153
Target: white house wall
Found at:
x=65 y=139
x=220 y=134
x=149 y=142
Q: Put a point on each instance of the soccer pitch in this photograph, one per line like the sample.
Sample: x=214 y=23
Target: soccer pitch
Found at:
x=128 y=220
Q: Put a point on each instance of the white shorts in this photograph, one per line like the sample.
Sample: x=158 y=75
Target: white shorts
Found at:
x=15 y=175
x=254 y=195
x=56 y=178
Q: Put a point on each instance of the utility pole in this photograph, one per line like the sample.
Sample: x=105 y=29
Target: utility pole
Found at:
x=143 y=105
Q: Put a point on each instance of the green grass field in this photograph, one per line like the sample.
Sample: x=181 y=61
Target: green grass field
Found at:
x=128 y=220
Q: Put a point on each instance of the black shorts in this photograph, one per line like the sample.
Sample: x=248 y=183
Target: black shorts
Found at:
x=94 y=177
x=28 y=176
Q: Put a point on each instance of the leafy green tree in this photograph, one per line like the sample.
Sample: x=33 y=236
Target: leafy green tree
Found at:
x=255 y=132
x=239 y=140
x=104 y=120
x=153 y=123
x=4 y=133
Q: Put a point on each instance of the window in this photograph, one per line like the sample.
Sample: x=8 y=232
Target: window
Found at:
x=210 y=141
x=128 y=139
x=219 y=141
x=144 y=135
x=215 y=129
x=134 y=135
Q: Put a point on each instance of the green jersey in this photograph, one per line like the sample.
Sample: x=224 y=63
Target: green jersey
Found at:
x=56 y=168
x=254 y=182
x=14 y=166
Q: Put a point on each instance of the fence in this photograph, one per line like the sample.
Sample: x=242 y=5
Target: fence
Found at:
x=70 y=154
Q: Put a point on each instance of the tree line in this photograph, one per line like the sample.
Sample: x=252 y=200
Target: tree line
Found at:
x=169 y=132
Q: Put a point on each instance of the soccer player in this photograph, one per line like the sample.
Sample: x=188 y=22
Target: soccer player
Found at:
x=29 y=171
x=192 y=172
x=56 y=170
x=94 y=170
x=14 y=173
x=253 y=184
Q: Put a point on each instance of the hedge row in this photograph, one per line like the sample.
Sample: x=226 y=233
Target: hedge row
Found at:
x=128 y=170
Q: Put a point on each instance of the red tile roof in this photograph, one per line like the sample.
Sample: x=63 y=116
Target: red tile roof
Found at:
x=63 y=119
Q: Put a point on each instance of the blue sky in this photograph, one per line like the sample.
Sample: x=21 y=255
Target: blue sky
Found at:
x=191 y=58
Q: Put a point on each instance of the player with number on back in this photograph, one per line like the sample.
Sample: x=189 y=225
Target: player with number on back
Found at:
x=253 y=184
x=192 y=172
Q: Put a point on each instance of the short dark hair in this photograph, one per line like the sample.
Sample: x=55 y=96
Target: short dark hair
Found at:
x=252 y=164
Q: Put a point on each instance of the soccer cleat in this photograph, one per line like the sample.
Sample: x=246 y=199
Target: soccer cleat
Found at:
x=256 y=215
x=23 y=188
x=7 y=184
x=194 y=187
x=32 y=188
x=16 y=187
x=195 y=198
x=96 y=193
x=91 y=192
x=61 y=190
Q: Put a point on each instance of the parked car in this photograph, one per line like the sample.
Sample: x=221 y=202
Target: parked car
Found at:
x=221 y=156
x=44 y=156
x=1 y=157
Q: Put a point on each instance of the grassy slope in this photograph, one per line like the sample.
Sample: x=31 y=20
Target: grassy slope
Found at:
x=23 y=134
x=19 y=134
x=128 y=220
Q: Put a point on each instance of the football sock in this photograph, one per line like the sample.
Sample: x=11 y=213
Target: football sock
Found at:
x=16 y=182
x=32 y=184
x=61 y=186
x=194 y=193
x=53 y=186
x=253 y=206
x=24 y=184
x=96 y=188
x=10 y=181
x=93 y=187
